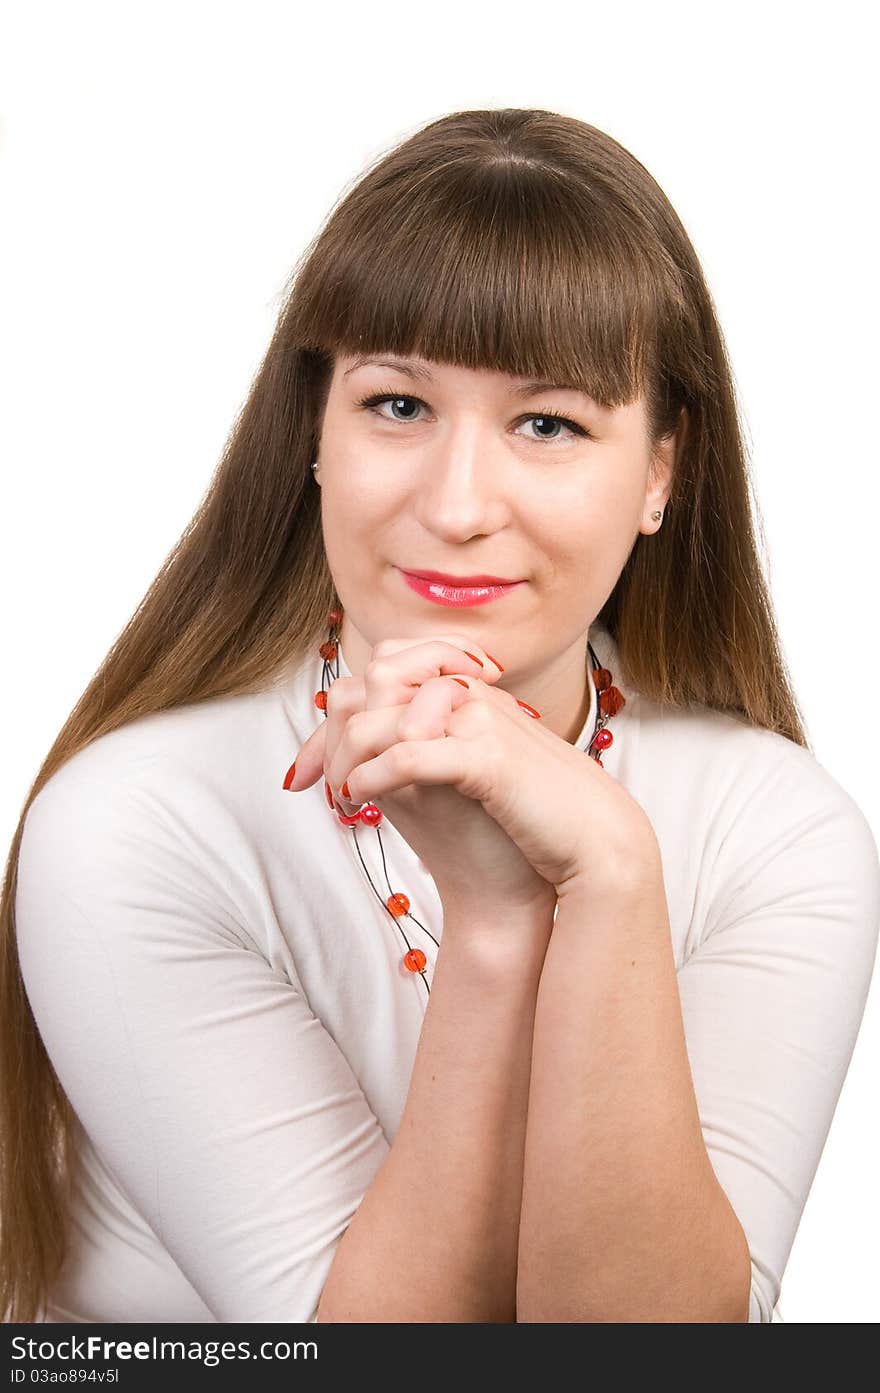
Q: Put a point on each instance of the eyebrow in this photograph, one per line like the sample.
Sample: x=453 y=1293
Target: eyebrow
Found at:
x=416 y=371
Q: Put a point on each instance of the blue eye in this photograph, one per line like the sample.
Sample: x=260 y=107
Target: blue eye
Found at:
x=556 y=420
x=379 y=398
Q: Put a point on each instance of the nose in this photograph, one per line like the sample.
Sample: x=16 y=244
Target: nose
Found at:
x=462 y=487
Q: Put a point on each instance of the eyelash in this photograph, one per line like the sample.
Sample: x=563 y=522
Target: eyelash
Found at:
x=379 y=397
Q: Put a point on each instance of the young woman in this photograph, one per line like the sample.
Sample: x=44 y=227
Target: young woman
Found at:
x=432 y=909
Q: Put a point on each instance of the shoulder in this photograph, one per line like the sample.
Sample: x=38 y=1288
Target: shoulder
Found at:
x=214 y=757
x=168 y=804
x=710 y=767
x=193 y=739
x=754 y=819
x=723 y=761
x=713 y=782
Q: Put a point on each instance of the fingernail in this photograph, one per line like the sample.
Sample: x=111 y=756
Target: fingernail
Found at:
x=531 y=710
x=475 y=658
x=288 y=777
x=462 y=681
x=496 y=662
x=346 y=790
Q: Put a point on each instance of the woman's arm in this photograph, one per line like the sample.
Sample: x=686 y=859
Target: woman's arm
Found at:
x=435 y=1236
x=623 y=1218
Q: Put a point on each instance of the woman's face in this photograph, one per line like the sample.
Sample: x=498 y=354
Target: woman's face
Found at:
x=465 y=472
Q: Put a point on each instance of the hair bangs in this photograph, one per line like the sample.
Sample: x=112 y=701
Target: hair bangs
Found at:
x=498 y=267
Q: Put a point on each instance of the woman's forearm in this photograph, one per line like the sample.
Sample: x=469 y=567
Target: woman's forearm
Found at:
x=623 y=1218
x=435 y=1236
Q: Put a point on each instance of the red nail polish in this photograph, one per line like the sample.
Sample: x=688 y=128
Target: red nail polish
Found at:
x=531 y=710
x=288 y=777
x=346 y=790
x=495 y=661
x=462 y=681
x=474 y=656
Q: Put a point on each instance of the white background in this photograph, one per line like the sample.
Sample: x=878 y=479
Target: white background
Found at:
x=164 y=165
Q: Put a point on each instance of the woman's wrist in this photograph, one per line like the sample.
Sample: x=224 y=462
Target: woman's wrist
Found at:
x=503 y=940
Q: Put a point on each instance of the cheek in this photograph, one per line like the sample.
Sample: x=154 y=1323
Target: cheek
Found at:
x=353 y=523
x=608 y=505
x=593 y=535
x=358 y=486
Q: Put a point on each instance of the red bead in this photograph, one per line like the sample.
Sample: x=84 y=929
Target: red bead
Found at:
x=611 y=701
x=602 y=678
x=604 y=739
x=398 y=904
x=370 y=815
x=414 y=960
x=321 y=700
x=335 y=616
x=328 y=651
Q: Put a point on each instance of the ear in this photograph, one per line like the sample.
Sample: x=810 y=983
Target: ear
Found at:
x=666 y=454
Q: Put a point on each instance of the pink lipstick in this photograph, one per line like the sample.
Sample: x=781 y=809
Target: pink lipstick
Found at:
x=453 y=592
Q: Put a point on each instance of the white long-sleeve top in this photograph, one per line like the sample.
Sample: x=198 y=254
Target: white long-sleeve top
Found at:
x=222 y=994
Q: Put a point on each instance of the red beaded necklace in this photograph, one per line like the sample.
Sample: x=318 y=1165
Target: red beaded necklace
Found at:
x=610 y=701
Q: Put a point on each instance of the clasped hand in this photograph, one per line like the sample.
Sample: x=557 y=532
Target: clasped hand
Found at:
x=502 y=811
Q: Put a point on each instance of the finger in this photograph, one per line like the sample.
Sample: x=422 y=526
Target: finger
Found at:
x=343 y=698
x=391 y=683
x=368 y=733
x=429 y=716
x=309 y=761
x=452 y=761
x=458 y=640
x=396 y=667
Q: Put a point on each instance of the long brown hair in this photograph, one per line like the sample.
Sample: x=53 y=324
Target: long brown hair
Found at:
x=519 y=240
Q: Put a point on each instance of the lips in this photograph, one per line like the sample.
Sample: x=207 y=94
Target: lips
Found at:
x=457 y=595
x=445 y=579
